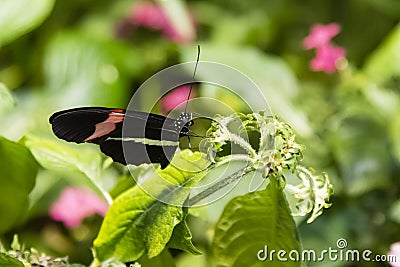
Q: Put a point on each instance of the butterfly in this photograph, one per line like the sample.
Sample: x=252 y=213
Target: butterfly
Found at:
x=127 y=136
x=146 y=138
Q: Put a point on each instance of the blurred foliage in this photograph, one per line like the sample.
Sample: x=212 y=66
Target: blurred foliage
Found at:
x=18 y=169
x=62 y=54
x=19 y=256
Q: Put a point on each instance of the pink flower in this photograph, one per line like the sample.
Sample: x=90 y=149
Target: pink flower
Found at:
x=150 y=15
x=175 y=97
x=395 y=251
x=321 y=35
x=75 y=204
x=327 y=54
x=327 y=57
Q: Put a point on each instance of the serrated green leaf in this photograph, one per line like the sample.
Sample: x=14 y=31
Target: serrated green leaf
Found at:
x=138 y=223
x=17 y=178
x=18 y=17
x=182 y=238
x=251 y=222
x=132 y=224
x=6 y=260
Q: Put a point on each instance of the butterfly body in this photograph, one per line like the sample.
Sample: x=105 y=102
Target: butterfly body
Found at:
x=128 y=137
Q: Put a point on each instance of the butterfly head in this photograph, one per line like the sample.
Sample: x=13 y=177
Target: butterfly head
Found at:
x=183 y=123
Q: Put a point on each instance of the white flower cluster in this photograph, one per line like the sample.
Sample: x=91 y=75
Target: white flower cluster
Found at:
x=312 y=193
x=276 y=152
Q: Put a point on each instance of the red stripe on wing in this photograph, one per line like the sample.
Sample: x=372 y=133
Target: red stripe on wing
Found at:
x=108 y=126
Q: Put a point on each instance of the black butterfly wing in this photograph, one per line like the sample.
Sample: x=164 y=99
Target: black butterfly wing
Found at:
x=144 y=136
x=77 y=125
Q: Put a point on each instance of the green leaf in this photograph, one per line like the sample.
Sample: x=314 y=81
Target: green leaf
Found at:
x=182 y=237
x=163 y=260
x=6 y=260
x=383 y=64
x=61 y=157
x=139 y=223
x=67 y=159
x=17 y=178
x=123 y=183
x=18 y=17
x=251 y=222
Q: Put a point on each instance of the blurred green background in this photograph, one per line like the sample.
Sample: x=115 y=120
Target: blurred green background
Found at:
x=63 y=54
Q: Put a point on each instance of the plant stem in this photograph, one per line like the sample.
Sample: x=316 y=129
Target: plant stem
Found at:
x=221 y=184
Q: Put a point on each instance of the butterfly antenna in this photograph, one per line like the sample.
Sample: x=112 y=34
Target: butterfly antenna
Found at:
x=194 y=73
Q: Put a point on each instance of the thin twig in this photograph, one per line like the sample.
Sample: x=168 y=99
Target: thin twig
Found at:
x=221 y=184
